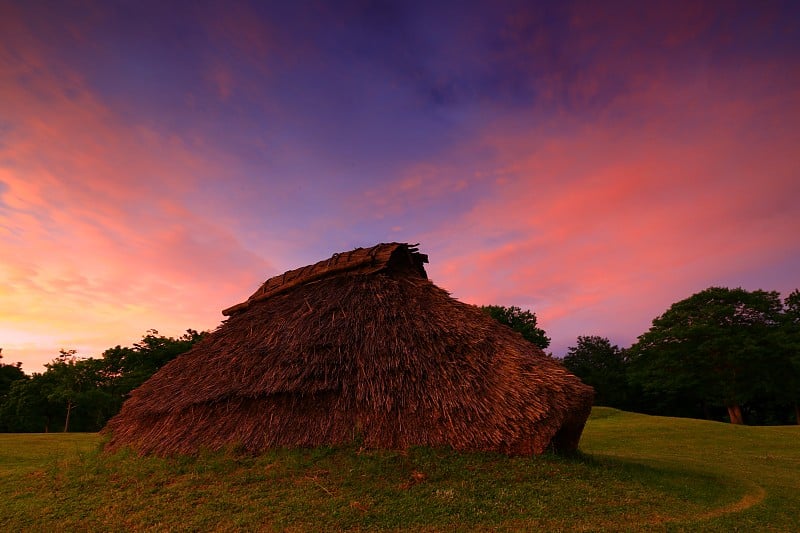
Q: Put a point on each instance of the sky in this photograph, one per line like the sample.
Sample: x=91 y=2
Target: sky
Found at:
x=593 y=162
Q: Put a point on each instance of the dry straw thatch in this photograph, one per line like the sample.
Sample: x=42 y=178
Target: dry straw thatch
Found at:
x=361 y=347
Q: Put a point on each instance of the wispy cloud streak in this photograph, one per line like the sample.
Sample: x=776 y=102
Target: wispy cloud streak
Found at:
x=589 y=162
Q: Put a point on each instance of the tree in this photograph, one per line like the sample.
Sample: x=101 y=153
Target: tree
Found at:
x=715 y=346
x=789 y=340
x=82 y=394
x=27 y=408
x=603 y=366
x=522 y=321
x=66 y=380
x=128 y=367
x=9 y=374
x=125 y=368
x=77 y=387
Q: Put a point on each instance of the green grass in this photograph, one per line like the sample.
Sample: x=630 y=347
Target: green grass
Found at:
x=756 y=468
x=635 y=473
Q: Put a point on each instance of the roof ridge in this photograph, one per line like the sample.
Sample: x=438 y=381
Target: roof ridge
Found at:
x=363 y=260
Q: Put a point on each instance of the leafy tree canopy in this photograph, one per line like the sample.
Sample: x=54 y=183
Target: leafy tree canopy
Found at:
x=603 y=366
x=82 y=394
x=522 y=321
x=716 y=346
x=129 y=367
x=9 y=374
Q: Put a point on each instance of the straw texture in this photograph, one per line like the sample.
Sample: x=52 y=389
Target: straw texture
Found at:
x=370 y=351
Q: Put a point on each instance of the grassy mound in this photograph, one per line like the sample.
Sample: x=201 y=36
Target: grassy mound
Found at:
x=757 y=468
x=635 y=472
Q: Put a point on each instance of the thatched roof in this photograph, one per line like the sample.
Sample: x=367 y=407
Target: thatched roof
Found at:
x=362 y=260
x=360 y=346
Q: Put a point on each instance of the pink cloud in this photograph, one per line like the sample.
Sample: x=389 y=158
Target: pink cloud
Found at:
x=598 y=204
x=419 y=183
x=673 y=190
x=100 y=239
x=600 y=224
x=221 y=79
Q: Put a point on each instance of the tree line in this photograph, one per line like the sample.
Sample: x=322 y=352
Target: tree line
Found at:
x=81 y=394
x=721 y=354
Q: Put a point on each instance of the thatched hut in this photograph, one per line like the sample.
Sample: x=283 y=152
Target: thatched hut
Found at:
x=361 y=346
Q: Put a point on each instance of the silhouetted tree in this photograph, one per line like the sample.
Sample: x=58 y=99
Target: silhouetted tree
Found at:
x=9 y=374
x=787 y=375
x=522 y=321
x=82 y=394
x=716 y=346
x=603 y=366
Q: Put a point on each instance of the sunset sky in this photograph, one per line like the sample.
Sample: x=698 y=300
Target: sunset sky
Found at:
x=594 y=162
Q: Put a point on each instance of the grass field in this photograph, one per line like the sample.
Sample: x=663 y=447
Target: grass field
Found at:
x=634 y=473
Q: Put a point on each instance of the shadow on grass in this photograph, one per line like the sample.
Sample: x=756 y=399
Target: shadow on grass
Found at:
x=705 y=494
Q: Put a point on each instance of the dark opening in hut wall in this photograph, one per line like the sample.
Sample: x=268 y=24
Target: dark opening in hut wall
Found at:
x=361 y=344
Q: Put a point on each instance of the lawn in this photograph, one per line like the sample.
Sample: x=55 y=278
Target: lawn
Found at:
x=757 y=467
x=634 y=473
